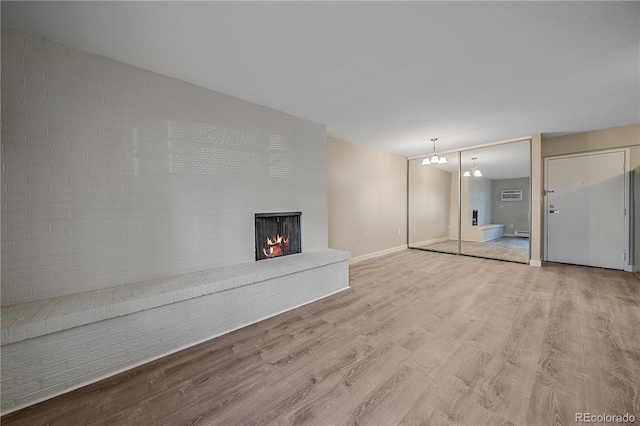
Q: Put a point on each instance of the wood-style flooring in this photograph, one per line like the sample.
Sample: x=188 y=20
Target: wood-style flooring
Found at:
x=420 y=338
x=505 y=248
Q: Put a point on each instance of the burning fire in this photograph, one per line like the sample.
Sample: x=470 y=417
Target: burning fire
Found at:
x=275 y=246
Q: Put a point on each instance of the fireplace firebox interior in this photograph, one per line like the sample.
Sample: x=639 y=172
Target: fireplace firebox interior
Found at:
x=277 y=234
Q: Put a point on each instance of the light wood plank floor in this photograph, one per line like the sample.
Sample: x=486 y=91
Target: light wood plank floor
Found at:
x=420 y=338
x=506 y=248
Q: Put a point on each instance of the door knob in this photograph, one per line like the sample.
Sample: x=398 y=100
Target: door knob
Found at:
x=554 y=211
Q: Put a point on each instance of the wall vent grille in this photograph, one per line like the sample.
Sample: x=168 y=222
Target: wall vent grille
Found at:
x=511 y=195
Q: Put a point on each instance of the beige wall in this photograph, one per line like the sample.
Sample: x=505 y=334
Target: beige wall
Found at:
x=361 y=178
x=615 y=137
x=454 y=208
x=367 y=198
x=429 y=203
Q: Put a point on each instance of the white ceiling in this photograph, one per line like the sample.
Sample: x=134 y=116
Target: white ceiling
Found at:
x=506 y=161
x=388 y=74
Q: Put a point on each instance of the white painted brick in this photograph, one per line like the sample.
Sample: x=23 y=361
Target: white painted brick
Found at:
x=17 y=274
x=15 y=254
x=26 y=389
x=22 y=366
x=39 y=394
x=123 y=161
x=64 y=376
x=230 y=151
x=86 y=358
x=64 y=355
x=108 y=362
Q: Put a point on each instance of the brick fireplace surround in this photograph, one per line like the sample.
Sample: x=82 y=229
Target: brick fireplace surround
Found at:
x=60 y=344
x=128 y=202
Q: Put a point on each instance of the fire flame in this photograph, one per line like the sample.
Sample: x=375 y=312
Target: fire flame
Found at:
x=275 y=245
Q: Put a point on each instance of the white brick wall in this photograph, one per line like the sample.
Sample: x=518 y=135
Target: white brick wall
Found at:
x=43 y=366
x=33 y=319
x=112 y=174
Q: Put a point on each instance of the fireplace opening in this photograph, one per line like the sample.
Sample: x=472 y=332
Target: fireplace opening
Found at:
x=277 y=234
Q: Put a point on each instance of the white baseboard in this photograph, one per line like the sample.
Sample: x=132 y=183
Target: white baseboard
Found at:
x=376 y=254
x=537 y=263
x=432 y=241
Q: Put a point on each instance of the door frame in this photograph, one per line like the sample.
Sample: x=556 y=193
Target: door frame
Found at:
x=627 y=221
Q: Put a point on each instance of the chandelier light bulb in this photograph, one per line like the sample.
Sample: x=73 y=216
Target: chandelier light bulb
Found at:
x=435 y=159
x=474 y=171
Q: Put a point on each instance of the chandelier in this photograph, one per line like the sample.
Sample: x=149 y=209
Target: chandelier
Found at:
x=474 y=171
x=435 y=159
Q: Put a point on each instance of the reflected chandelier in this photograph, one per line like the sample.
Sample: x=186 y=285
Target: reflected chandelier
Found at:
x=434 y=158
x=474 y=171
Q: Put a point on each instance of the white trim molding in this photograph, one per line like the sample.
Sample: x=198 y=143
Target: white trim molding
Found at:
x=375 y=254
x=432 y=241
x=472 y=147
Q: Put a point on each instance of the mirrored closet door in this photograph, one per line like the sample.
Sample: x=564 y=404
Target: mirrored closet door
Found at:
x=433 y=204
x=495 y=202
x=486 y=212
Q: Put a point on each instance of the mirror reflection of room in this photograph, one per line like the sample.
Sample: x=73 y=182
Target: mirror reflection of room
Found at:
x=495 y=202
x=495 y=208
x=433 y=212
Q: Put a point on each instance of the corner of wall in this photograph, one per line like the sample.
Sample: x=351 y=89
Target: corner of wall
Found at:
x=367 y=198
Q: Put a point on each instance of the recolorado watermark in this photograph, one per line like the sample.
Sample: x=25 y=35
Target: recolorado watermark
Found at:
x=605 y=418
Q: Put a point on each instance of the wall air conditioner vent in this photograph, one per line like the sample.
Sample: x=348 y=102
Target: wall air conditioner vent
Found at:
x=511 y=195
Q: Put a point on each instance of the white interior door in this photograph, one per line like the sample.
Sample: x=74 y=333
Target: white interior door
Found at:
x=585 y=209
